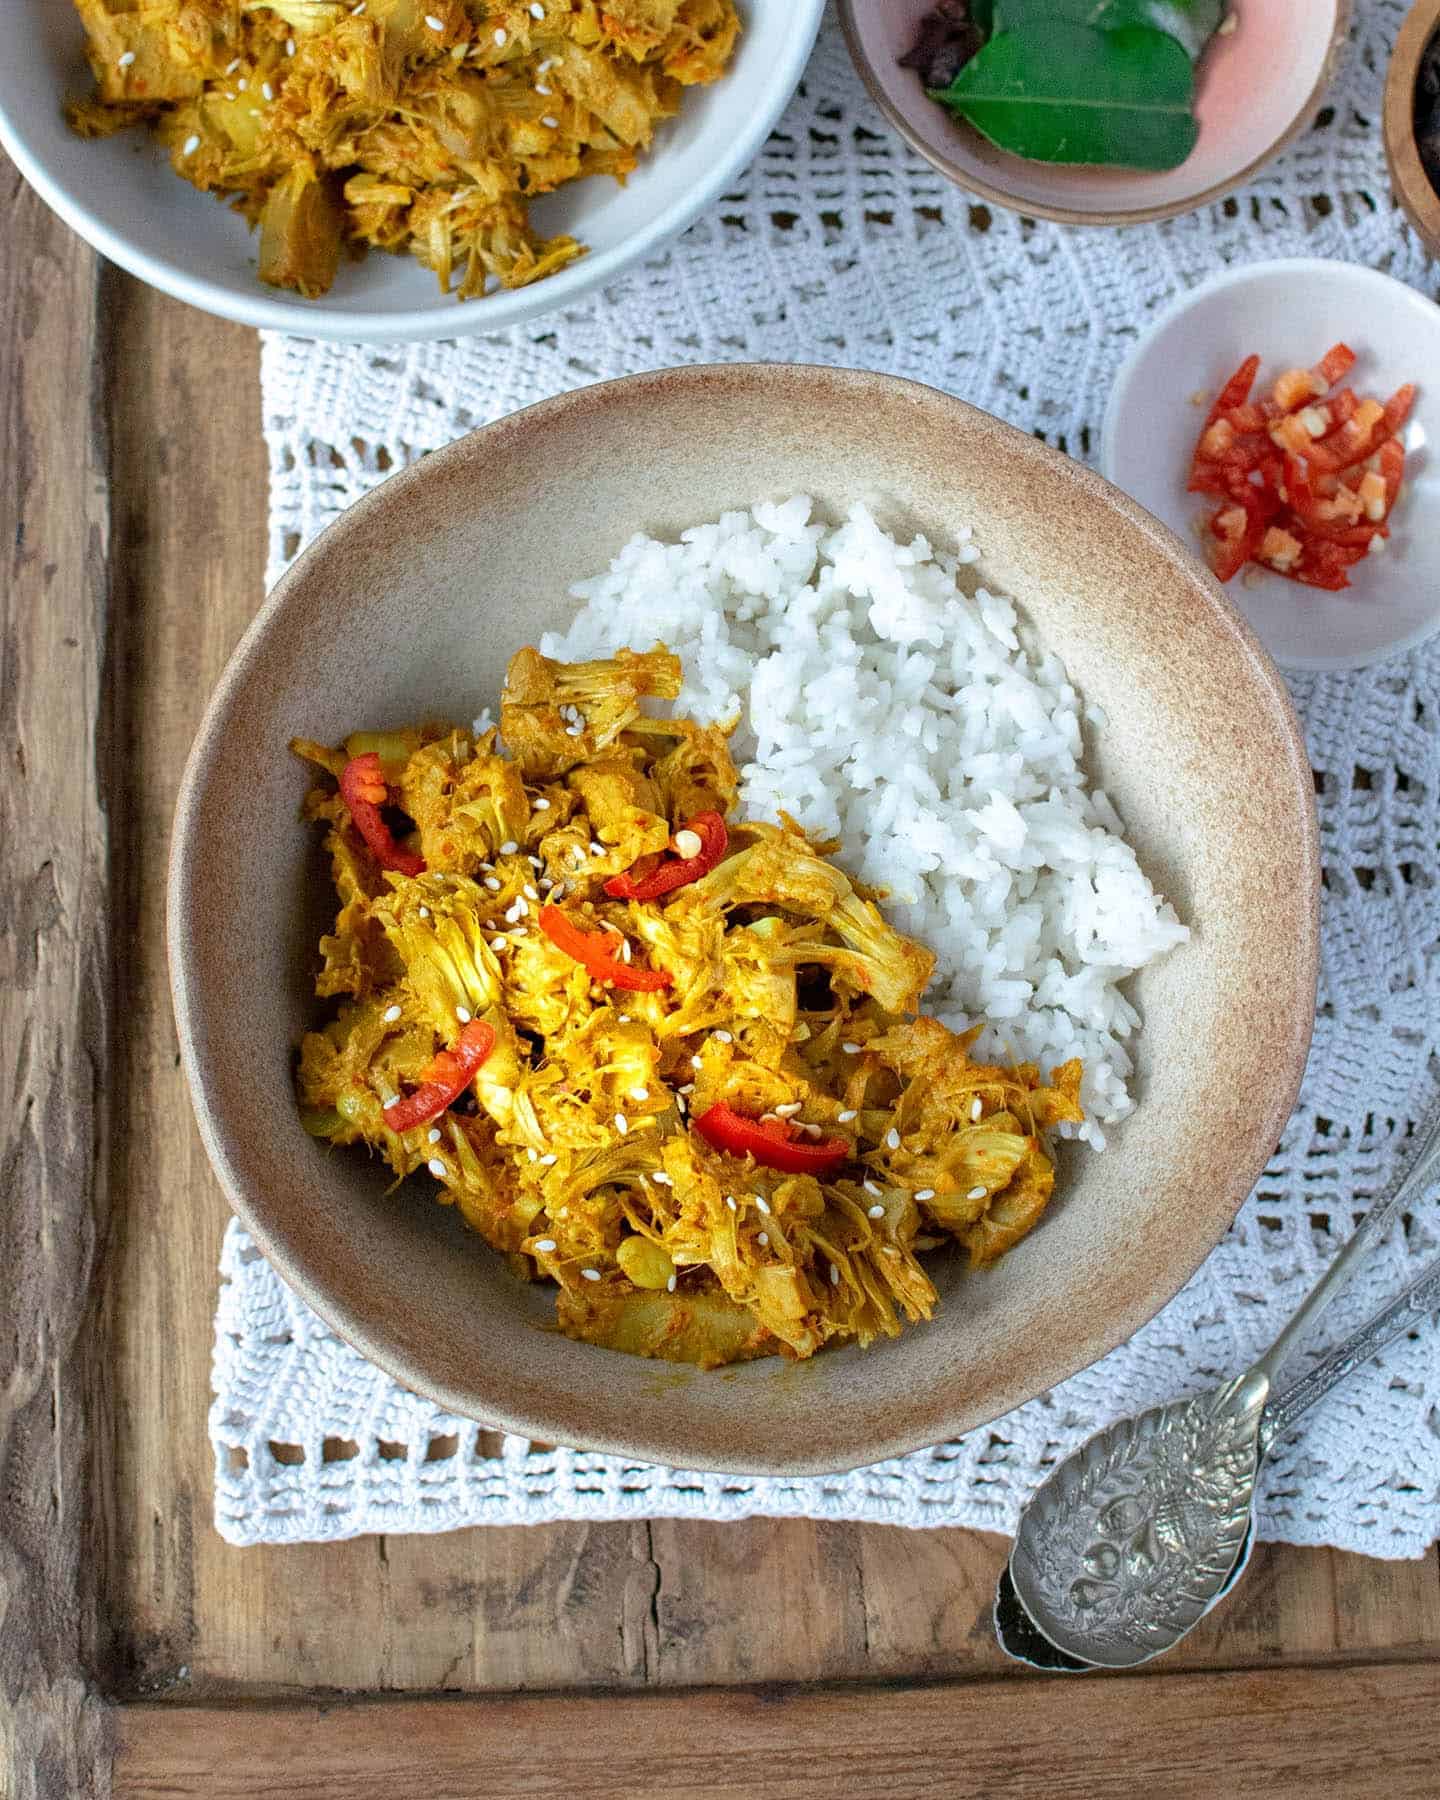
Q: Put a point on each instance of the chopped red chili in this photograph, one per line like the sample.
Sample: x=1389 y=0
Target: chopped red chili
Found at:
x=778 y=1143
x=445 y=1079
x=363 y=789
x=591 y=949
x=680 y=871
x=1307 y=479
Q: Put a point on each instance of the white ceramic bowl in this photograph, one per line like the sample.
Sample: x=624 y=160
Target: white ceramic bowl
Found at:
x=1289 y=313
x=121 y=195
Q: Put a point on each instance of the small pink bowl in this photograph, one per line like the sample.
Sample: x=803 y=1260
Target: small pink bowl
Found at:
x=1258 y=88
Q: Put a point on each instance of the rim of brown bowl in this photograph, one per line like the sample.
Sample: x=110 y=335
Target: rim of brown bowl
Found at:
x=1067 y=215
x=1413 y=188
x=935 y=1417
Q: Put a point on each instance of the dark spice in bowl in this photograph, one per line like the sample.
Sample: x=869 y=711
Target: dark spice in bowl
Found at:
x=1427 y=111
x=948 y=37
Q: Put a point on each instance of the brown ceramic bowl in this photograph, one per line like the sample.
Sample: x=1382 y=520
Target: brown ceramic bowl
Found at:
x=409 y=607
x=1258 y=88
x=1413 y=188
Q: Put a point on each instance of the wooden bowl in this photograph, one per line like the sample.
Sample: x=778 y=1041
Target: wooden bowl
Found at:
x=410 y=606
x=1259 y=87
x=1413 y=189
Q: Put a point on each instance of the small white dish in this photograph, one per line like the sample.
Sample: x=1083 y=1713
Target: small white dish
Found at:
x=1289 y=313
x=121 y=195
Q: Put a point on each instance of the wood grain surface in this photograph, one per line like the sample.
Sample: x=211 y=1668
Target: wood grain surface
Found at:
x=1344 y=1734
x=132 y=520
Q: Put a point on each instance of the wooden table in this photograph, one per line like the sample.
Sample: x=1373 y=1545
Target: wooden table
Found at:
x=141 y=1656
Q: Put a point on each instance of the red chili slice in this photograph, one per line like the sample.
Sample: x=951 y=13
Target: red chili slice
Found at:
x=363 y=789
x=778 y=1143
x=445 y=1079
x=709 y=827
x=589 y=948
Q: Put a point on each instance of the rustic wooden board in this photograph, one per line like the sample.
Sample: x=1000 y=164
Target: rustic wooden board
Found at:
x=132 y=514
x=1291 y=1735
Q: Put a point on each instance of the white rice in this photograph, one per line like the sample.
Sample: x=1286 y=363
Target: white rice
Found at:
x=935 y=738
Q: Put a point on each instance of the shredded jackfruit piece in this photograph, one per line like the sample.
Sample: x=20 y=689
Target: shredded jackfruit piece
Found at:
x=572 y=1151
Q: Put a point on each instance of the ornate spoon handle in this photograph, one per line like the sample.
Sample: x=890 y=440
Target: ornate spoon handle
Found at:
x=1420 y=1299
x=1365 y=1234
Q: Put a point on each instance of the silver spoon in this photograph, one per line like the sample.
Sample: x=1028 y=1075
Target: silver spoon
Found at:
x=1018 y=1633
x=1133 y=1538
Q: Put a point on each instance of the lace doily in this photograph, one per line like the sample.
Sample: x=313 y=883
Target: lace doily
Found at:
x=840 y=245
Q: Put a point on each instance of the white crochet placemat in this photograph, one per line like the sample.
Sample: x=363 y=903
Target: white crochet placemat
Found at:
x=841 y=246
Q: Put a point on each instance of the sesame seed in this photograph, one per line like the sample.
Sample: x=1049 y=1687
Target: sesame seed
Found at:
x=509 y=847
x=622 y=1124
x=289 y=46
x=390 y=1014
x=537 y=11
x=834 y=1276
x=730 y=1202
x=639 y=1093
x=190 y=146
x=549 y=1160
x=688 y=1088
x=492 y=883
x=670 y=1285
x=518 y=932
x=434 y=23
x=977 y=1106
x=531 y=892
x=875 y=1212
x=762 y=1203
x=126 y=60
x=810 y=1130
x=763 y=1240
x=573 y=730
x=696 y=1063
x=624 y=1018
x=851 y=1049
x=549 y=63
x=432 y=1136
x=436 y=1167
x=680 y=1103
x=267 y=90
x=892 y=1139
x=547 y=120
x=424 y=911
x=626 y=953
x=355 y=11
x=541 y=805
x=540 y=88
x=723 y=1037
x=661 y=1179
x=535 y=862
x=591 y=1274
x=532 y=1153
x=497 y=943
x=871 y=1187
x=924 y=1193
x=889 y=1249
x=845 y=1117
x=544 y=1245
x=976 y=1193
x=232 y=65
x=596 y=849
x=500 y=39
x=243 y=83
x=688 y=843
x=514 y=914
x=462 y=1013
x=789 y=1109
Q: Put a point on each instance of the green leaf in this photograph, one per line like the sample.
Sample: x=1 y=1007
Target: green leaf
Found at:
x=1190 y=22
x=1064 y=93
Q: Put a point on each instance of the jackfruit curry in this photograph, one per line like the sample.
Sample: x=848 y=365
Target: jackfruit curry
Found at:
x=671 y=1061
x=424 y=126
